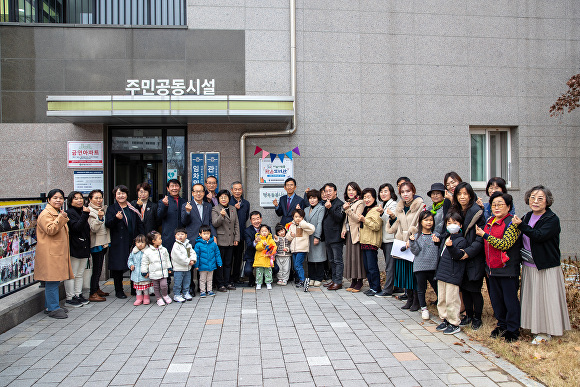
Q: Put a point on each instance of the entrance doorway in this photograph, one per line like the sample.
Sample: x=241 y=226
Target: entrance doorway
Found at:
x=152 y=155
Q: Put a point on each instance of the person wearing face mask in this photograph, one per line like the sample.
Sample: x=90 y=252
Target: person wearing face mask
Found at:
x=464 y=202
x=405 y=216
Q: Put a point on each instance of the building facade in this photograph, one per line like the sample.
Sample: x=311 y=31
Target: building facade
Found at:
x=383 y=89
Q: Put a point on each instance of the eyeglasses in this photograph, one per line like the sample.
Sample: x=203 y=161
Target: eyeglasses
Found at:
x=498 y=205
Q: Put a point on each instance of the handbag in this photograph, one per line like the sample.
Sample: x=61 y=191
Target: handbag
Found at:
x=526 y=255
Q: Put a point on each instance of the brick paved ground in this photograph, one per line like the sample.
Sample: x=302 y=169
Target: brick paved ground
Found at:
x=246 y=337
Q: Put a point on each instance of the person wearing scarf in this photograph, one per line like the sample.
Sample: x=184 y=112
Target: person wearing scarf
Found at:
x=437 y=195
x=124 y=222
x=100 y=240
x=371 y=237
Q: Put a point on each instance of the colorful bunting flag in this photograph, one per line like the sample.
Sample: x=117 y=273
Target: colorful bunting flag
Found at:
x=273 y=156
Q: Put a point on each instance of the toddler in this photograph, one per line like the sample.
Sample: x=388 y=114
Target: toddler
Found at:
x=182 y=258
x=449 y=274
x=156 y=266
x=264 y=258
x=283 y=255
x=299 y=231
x=141 y=284
x=208 y=259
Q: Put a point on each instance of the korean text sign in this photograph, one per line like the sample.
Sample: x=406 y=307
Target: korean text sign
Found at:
x=85 y=154
x=275 y=172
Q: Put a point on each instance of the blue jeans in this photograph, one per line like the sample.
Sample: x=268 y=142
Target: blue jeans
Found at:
x=181 y=281
x=51 y=296
x=334 y=255
x=372 y=268
x=298 y=259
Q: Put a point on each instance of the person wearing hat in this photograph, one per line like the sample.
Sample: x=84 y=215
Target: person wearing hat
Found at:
x=437 y=195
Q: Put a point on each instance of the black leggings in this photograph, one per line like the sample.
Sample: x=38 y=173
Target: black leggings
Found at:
x=421 y=277
x=97 y=269
x=473 y=302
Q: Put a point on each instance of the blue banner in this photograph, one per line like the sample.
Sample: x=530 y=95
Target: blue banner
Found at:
x=212 y=166
x=197 y=168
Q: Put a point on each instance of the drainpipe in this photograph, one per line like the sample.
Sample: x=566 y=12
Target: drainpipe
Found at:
x=292 y=129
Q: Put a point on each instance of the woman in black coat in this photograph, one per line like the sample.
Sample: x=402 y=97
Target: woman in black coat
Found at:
x=125 y=224
x=80 y=248
x=147 y=208
x=464 y=202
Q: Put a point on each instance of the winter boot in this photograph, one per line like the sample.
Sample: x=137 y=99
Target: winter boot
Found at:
x=146 y=300
x=415 y=306
x=410 y=298
x=139 y=300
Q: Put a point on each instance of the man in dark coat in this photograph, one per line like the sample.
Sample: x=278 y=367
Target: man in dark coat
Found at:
x=332 y=227
x=169 y=213
x=243 y=208
x=250 y=239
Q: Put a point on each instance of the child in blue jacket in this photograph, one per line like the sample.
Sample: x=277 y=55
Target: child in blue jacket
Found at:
x=208 y=259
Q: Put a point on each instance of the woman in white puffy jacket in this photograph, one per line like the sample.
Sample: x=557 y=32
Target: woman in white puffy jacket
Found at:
x=388 y=201
x=156 y=265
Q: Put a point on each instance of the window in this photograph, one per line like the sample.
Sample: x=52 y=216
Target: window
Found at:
x=490 y=155
x=112 y=12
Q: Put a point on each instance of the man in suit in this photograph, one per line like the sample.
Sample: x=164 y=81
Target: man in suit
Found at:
x=332 y=227
x=193 y=215
x=243 y=209
x=168 y=212
x=288 y=202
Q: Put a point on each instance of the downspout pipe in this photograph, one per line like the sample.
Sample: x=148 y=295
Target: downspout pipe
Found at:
x=292 y=127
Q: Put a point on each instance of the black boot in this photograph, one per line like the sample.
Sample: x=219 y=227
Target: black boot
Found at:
x=410 y=298
x=415 y=305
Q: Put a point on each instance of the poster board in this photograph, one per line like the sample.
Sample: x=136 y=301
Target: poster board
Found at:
x=268 y=194
x=84 y=154
x=275 y=172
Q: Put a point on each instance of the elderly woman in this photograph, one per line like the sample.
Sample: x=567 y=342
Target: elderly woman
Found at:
x=52 y=262
x=147 y=208
x=502 y=265
x=80 y=242
x=224 y=218
x=124 y=222
x=100 y=240
x=371 y=238
x=317 y=254
x=543 y=296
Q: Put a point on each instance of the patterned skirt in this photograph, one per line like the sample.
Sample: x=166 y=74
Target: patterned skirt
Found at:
x=142 y=285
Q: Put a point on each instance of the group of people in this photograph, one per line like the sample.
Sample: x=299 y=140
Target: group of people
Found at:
x=456 y=243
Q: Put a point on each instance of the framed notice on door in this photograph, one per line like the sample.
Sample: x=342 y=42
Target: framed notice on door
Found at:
x=84 y=154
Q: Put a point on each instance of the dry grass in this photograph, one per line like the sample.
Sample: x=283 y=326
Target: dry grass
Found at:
x=555 y=363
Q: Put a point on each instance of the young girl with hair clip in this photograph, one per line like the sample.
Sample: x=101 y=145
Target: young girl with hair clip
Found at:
x=156 y=265
x=141 y=284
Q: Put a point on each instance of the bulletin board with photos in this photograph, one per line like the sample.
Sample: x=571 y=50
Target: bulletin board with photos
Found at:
x=18 y=241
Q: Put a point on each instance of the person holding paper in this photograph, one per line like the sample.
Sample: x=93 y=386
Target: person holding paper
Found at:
x=406 y=215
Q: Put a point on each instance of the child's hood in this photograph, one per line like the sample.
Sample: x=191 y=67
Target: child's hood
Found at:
x=201 y=240
x=184 y=243
x=135 y=250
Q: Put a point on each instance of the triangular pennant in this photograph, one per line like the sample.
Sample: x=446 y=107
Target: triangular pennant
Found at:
x=296 y=150
x=289 y=154
x=281 y=157
x=258 y=149
x=272 y=157
x=264 y=154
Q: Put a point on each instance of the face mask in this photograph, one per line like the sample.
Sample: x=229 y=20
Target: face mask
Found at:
x=453 y=228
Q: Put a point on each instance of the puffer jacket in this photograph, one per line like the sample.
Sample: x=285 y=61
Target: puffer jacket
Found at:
x=392 y=205
x=135 y=259
x=156 y=262
x=208 y=254
x=261 y=259
x=451 y=268
x=181 y=254
x=475 y=263
x=300 y=244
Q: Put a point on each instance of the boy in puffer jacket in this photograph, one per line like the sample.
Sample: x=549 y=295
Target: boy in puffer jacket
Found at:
x=208 y=259
x=183 y=258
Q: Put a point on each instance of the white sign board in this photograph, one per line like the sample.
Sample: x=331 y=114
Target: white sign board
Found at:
x=85 y=154
x=86 y=181
x=171 y=173
x=397 y=253
x=275 y=172
x=268 y=194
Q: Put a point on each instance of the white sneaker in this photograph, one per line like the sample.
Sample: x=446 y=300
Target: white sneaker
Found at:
x=178 y=298
x=425 y=314
x=258 y=286
x=311 y=283
x=269 y=286
x=188 y=297
x=317 y=284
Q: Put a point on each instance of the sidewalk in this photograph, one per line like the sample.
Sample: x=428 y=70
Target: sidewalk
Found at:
x=249 y=338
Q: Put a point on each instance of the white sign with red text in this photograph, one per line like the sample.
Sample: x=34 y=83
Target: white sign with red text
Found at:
x=85 y=154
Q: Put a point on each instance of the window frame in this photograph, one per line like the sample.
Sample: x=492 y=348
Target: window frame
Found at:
x=477 y=184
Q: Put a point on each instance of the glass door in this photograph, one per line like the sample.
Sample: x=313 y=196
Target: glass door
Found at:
x=152 y=155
